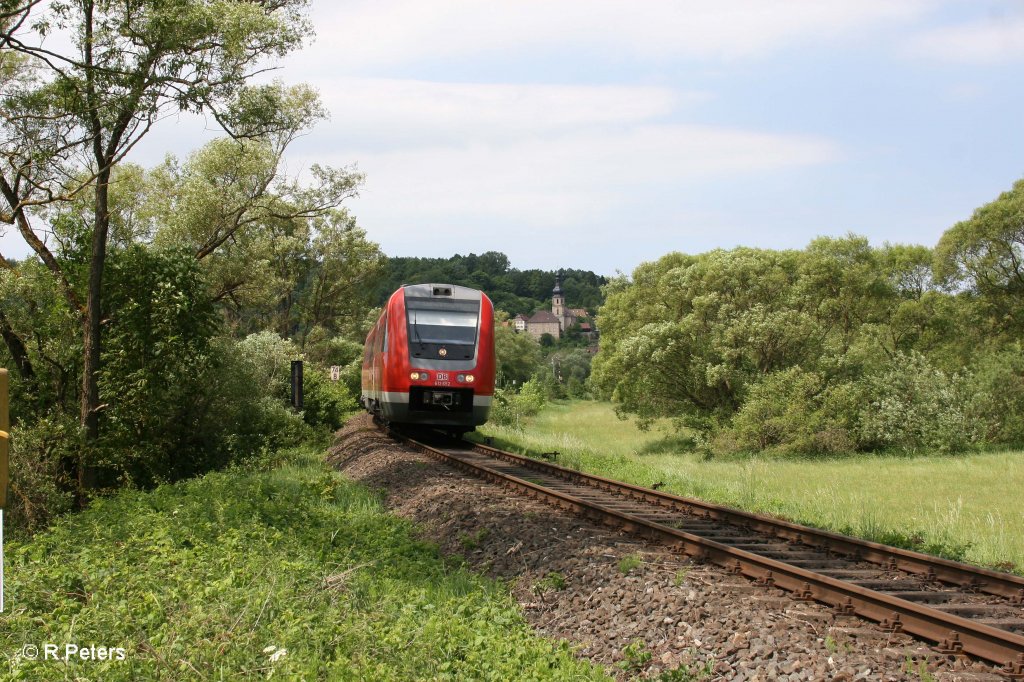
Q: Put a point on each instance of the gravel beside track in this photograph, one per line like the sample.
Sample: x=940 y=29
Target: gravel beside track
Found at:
x=698 y=617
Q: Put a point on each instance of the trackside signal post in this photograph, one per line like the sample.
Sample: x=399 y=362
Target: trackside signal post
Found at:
x=297 y=384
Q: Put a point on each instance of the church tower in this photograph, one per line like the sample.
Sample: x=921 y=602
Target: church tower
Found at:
x=558 y=299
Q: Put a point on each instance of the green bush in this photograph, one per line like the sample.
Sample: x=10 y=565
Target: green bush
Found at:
x=157 y=352
x=41 y=459
x=269 y=358
x=510 y=407
x=912 y=406
x=352 y=377
x=325 y=350
x=250 y=390
x=793 y=411
x=326 y=403
x=996 y=387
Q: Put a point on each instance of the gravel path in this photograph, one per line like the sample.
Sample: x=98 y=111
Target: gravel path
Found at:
x=630 y=605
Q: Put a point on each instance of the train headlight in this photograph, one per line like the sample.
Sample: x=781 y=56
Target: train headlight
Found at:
x=470 y=378
x=419 y=376
x=461 y=378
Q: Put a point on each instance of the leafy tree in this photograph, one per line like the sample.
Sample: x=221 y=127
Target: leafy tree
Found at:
x=47 y=332
x=128 y=65
x=996 y=394
x=914 y=406
x=688 y=336
x=840 y=346
x=794 y=410
x=346 y=268
x=518 y=354
x=157 y=353
x=986 y=254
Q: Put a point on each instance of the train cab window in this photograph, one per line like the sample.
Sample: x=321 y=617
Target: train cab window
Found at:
x=447 y=332
x=442 y=326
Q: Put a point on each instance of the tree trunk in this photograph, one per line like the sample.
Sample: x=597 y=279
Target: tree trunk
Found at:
x=17 y=349
x=91 y=328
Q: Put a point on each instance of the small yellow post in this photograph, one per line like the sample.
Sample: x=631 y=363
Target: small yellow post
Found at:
x=5 y=438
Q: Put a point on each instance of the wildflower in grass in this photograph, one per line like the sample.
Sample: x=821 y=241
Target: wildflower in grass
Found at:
x=275 y=653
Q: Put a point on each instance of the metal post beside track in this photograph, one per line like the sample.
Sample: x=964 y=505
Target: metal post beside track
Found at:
x=5 y=438
x=296 y=384
x=5 y=443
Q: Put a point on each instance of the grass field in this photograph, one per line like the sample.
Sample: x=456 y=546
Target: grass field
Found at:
x=289 y=573
x=967 y=507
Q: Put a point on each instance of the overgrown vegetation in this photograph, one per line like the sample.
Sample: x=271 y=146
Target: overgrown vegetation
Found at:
x=629 y=563
x=511 y=407
x=286 y=571
x=839 y=347
x=150 y=334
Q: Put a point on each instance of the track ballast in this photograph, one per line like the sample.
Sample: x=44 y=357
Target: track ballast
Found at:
x=962 y=609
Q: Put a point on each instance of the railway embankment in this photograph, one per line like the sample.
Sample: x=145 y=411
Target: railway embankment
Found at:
x=632 y=606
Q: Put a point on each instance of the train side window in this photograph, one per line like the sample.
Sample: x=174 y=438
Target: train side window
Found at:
x=385 y=335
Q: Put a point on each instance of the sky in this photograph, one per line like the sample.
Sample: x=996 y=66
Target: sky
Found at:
x=599 y=134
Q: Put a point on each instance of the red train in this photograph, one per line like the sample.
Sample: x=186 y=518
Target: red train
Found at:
x=430 y=358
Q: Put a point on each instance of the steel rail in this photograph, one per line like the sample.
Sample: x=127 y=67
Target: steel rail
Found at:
x=953 y=634
x=969 y=577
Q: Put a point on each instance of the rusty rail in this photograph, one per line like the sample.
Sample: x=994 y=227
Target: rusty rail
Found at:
x=953 y=634
x=943 y=570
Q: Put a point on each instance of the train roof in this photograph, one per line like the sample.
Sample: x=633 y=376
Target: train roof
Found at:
x=442 y=291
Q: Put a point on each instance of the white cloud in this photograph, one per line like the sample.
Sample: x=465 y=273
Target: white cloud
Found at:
x=548 y=155
x=471 y=194
x=571 y=178
x=983 y=42
x=376 y=113
x=353 y=36
x=498 y=166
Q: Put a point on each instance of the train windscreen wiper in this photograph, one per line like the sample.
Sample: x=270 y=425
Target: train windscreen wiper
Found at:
x=416 y=329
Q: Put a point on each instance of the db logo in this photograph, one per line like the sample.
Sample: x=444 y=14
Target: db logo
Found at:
x=442 y=376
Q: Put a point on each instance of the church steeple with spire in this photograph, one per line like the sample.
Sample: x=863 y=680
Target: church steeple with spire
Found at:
x=558 y=298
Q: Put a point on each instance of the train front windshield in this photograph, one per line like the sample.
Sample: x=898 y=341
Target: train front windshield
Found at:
x=454 y=325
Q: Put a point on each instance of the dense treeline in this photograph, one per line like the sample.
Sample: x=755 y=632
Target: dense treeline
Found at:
x=512 y=290
x=838 y=347
x=151 y=332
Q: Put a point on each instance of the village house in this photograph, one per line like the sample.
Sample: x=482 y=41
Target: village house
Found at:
x=544 y=322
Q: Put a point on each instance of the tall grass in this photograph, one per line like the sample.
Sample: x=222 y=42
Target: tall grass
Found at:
x=291 y=573
x=966 y=507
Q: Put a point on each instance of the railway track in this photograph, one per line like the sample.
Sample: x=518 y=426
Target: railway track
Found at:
x=962 y=609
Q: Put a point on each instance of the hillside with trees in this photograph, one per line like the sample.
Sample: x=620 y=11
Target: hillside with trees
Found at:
x=512 y=290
